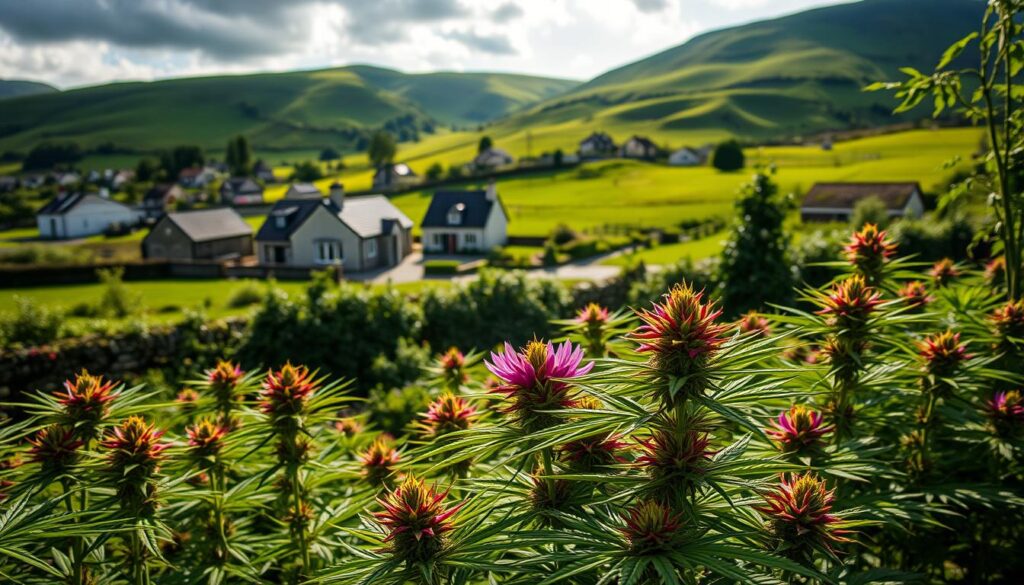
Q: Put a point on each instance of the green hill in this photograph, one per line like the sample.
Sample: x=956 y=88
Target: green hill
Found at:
x=10 y=88
x=297 y=110
x=788 y=76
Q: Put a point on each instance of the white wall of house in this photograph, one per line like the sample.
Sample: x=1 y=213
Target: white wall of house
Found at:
x=684 y=158
x=88 y=218
x=496 y=228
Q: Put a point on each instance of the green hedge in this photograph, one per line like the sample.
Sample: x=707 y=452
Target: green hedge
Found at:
x=441 y=267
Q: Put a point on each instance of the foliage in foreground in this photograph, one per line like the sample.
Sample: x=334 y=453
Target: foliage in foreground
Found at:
x=876 y=438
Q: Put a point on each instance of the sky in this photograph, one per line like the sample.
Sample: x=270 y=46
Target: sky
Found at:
x=70 y=43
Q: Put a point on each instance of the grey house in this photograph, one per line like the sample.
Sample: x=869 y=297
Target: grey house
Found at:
x=207 y=234
x=356 y=233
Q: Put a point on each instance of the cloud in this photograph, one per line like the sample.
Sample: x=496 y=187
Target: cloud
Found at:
x=506 y=12
x=377 y=22
x=650 y=5
x=495 y=45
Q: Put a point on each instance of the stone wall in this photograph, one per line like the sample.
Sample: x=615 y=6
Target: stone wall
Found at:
x=46 y=367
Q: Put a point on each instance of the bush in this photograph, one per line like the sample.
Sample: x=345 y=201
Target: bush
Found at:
x=930 y=240
x=307 y=171
x=563 y=234
x=728 y=156
x=434 y=172
x=403 y=367
x=869 y=210
x=393 y=410
x=45 y=255
x=441 y=267
x=50 y=154
x=30 y=324
x=117 y=301
x=250 y=293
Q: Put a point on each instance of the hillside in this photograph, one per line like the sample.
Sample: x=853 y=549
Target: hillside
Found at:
x=778 y=78
x=297 y=110
x=10 y=88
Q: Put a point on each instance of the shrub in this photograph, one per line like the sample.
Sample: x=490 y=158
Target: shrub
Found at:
x=117 y=301
x=434 y=172
x=248 y=294
x=30 y=324
x=403 y=367
x=307 y=171
x=932 y=240
x=392 y=411
x=563 y=234
x=441 y=267
x=869 y=210
x=45 y=255
x=728 y=156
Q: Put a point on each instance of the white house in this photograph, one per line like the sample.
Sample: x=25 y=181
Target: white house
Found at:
x=685 y=157
x=356 y=233
x=835 y=201
x=465 y=222
x=639 y=147
x=79 y=215
x=492 y=158
x=598 y=144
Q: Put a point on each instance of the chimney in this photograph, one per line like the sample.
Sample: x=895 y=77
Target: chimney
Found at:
x=337 y=194
x=492 y=190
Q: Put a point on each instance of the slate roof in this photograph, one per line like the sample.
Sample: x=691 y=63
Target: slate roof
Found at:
x=210 y=224
x=600 y=140
x=845 y=195
x=241 y=186
x=62 y=203
x=367 y=216
x=476 y=210
x=305 y=189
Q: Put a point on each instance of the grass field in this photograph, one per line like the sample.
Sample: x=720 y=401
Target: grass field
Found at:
x=672 y=253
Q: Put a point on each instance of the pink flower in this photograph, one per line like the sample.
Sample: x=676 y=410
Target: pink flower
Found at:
x=592 y=314
x=944 y=271
x=915 y=295
x=869 y=249
x=416 y=519
x=800 y=510
x=754 y=322
x=850 y=303
x=680 y=327
x=798 y=427
x=651 y=527
x=1007 y=407
x=534 y=378
x=449 y=413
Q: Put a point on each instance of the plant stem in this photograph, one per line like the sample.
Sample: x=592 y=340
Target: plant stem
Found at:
x=549 y=472
x=293 y=472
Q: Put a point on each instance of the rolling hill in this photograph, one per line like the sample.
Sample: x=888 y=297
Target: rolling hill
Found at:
x=296 y=110
x=10 y=88
x=798 y=74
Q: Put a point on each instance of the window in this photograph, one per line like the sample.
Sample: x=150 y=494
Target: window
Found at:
x=371 y=248
x=328 y=252
x=437 y=239
x=470 y=239
x=280 y=221
x=455 y=214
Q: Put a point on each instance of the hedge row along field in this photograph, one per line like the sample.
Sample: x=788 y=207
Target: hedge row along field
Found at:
x=875 y=437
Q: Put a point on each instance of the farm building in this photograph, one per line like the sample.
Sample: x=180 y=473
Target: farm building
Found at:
x=492 y=158
x=685 y=157
x=77 y=215
x=207 y=234
x=241 y=191
x=460 y=222
x=356 y=233
x=639 y=147
x=302 y=191
x=835 y=201
x=394 y=176
x=596 y=145
x=160 y=199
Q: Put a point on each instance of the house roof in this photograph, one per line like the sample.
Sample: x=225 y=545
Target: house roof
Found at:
x=599 y=138
x=210 y=224
x=305 y=189
x=64 y=203
x=190 y=172
x=475 y=211
x=845 y=195
x=493 y=156
x=643 y=140
x=367 y=216
x=241 y=185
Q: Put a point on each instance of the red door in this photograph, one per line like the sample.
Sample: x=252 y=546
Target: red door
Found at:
x=452 y=243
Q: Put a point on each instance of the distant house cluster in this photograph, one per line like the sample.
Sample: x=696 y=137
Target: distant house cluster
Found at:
x=600 y=145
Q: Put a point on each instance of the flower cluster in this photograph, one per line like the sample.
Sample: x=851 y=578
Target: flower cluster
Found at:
x=205 y=438
x=798 y=428
x=416 y=519
x=224 y=375
x=453 y=364
x=944 y=272
x=682 y=335
x=995 y=271
x=86 y=400
x=1006 y=409
x=943 y=353
x=915 y=295
x=286 y=391
x=868 y=251
x=590 y=453
x=800 y=513
x=593 y=315
x=348 y=426
x=678 y=459
x=1008 y=322
x=55 y=447
x=133 y=458
x=650 y=528
x=850 y=304
x=535 y=379
x=755 y=323
x=447 y=414
x=379 y=461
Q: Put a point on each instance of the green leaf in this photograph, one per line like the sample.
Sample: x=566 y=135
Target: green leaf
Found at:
x=954 y=50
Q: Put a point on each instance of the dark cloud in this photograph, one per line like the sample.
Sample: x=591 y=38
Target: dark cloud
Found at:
x=495 y=45
x=223 y=29
x=506 y=12
x=650 y=5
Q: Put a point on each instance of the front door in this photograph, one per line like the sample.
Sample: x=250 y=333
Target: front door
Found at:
x=453 y=241
x=279 y=255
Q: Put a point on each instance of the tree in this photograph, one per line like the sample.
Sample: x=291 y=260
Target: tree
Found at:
x=869 y=210
x=485 y=144
x=985 y=93
x=435 y=171
x=558 y=158
x=755 y=266
x=382 y=148
x=239 y=156
x=307 y=171
x=728 y=156
x=50 y=154
x=146 y=169
x=181 y=157
x=329 y=153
